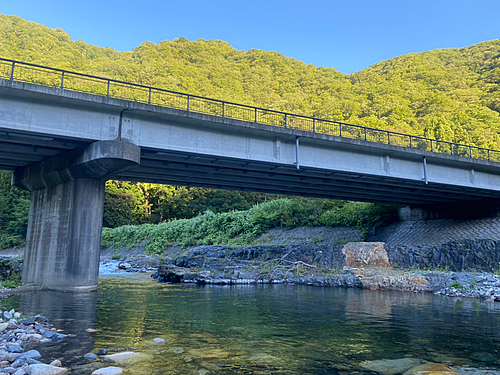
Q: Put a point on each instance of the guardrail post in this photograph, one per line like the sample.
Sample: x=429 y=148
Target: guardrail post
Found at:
x=62 y=81
x=223 y=110
x=470 y=152
x=411 y=141
x=451 y=148
x=489 y=159
x=286 y=120
x=314 y=125
x=255 y=115
x=12 y=71
x=366 y=138
x=188 y=100
x=388 y=138
x=107 y=93
x=432 y=147
x=149 y=99
x=340 y=125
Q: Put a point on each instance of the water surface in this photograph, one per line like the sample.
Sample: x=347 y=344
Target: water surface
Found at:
x=265 y=329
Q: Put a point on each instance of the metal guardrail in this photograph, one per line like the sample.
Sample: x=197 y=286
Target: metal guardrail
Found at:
x=67 y=80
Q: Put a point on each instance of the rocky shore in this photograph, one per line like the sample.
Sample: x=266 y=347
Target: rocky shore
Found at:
x=355 y=265
x=18 y=338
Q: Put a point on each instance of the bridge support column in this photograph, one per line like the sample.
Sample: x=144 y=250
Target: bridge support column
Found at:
x=65 y=220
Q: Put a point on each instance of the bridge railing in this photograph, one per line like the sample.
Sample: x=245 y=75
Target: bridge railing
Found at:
x=68 y=80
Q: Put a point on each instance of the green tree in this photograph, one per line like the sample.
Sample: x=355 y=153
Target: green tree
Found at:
x=14 y=210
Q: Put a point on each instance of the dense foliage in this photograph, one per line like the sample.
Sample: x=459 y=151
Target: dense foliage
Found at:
x=14 y=209
x=241 y=227
x=139 y=203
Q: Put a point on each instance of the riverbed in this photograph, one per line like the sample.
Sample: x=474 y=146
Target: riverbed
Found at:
x=263 y=329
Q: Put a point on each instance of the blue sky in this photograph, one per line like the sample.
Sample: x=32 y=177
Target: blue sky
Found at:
x=348 y=35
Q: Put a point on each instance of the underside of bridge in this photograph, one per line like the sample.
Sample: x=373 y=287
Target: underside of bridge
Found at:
x=19 y=150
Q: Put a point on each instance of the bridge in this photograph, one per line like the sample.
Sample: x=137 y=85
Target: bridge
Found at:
x=64 y=133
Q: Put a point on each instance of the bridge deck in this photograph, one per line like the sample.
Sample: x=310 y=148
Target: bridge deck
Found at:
x=182 y=147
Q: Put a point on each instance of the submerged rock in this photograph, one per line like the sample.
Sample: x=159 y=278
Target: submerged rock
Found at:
x=391 y=366
x=431 y=368
x=108 y=371
x=120 y=356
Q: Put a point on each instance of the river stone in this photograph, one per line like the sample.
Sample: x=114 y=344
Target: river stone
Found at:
x=102 y=351
x=131 y=359
x=391 y=366
x=35 y=354
x=431 y=368
x=159 y=341
x=208 y=353
x=20 y=372
x=56 y=363
x=41 y=369
x=3 y=326
x=366 y=254
x=120 y=356
x=108 y=371
x=90 y=356
x=203 y=274
x=176 y=350
x=484 y=357
x=262 y=358
x=15 y=349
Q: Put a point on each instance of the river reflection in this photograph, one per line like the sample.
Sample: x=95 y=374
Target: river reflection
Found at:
x=265 y=329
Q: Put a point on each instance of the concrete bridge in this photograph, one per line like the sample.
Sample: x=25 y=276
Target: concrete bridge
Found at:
x=64 y=133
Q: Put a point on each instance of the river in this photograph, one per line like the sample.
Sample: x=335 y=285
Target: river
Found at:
x=264 y=329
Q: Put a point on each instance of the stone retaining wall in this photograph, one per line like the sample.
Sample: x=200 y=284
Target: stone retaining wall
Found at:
x=457 y=245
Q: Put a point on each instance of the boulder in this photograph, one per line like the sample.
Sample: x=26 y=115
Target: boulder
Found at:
x=366 y=255
x=171 y=273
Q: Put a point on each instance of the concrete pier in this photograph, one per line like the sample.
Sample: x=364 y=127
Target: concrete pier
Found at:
x=65 y=220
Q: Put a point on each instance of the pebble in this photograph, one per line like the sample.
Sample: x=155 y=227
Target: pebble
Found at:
x=159 y=341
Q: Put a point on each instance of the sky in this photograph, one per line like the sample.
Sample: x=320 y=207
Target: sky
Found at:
x=348 y=35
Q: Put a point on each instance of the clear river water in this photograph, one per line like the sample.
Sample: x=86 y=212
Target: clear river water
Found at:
x=264 y=329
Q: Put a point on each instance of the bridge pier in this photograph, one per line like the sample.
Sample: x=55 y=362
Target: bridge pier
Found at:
x=65 y=220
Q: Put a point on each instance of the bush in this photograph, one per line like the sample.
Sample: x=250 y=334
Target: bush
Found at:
x=238 y=228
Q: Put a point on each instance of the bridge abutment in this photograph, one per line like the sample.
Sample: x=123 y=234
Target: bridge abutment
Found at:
x=65 y=220
x=486 y=208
